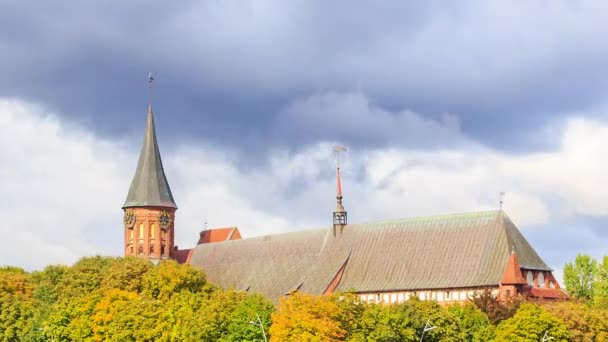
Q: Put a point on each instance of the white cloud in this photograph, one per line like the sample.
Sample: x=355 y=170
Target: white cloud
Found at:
x=62 y=187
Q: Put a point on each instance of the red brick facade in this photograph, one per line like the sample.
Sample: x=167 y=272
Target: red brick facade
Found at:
x=147 y=237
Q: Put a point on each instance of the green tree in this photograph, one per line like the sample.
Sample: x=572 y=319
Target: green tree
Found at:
x=247 y=309
x=474 y=324
x=169 y=278
x=385 y=323
x=600 y=286
x=586 y=324
x=85 y=276
x=126 y=274
x=530 y=323
x=405 y=322
x=47 y=283
x=579 y=276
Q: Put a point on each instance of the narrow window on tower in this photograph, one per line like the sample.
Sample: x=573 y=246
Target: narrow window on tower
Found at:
x=141 y=231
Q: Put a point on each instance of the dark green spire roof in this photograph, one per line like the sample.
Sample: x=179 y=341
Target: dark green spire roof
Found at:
x=149 y=187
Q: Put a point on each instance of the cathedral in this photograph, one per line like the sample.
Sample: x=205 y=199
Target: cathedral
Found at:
x=444 y=258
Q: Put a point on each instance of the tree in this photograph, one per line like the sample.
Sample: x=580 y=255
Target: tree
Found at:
x=586 y=324
x=578 y=277
x=46 y=283
x=530 y=323
x=84 y=277
x=247 y=309
x=380 y=322
x=126 y=274
x=404 y=322
x=16 y=307
x=123 y=316
x=475 y=326
x=169 y=278
x=497 y=310
x=600 y=287
x=302 y=317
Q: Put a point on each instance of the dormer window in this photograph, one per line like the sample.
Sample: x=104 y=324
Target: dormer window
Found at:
x=541 y=279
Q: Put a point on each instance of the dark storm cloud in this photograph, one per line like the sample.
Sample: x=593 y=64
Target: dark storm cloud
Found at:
x=228 y=71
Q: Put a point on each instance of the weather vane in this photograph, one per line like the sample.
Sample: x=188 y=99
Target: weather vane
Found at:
x=339 y=149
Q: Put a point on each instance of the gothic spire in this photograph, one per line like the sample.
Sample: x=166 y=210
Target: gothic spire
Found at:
x=340 y=215
x=149 y=187
x=339 y=206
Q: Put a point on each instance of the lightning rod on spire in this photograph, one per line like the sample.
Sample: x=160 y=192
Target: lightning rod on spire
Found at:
x=339 y=149
x=150 y=79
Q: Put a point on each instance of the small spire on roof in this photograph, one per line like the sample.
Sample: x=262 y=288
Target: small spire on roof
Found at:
x=340 y=213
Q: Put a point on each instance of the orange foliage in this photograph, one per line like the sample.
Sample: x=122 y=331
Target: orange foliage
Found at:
x=302 y=317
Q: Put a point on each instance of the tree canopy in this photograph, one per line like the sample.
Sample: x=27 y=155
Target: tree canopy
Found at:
x=131 y=299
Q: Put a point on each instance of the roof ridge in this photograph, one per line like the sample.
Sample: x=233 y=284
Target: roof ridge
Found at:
x=434 y=217
x=487 y=213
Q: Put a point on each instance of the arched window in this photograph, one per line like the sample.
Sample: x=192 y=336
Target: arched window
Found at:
x=162 y=249
x=131 y=233
x=530 y=278
x=140 y=250
x=130 y=249
x=141 y=230
x=152 y=249
x=541 y=279
x=152 y=231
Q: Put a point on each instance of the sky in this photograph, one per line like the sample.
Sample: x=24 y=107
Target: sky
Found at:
x=442 y=105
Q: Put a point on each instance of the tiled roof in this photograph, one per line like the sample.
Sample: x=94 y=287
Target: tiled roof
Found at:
x=183 y=255
x=548 y=293
x=453 y=251
x=149 y=187
x=219 y=234
x=512 y=275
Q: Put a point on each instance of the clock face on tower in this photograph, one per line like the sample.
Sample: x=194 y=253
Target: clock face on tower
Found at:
x=129 y=219
x=164 y=219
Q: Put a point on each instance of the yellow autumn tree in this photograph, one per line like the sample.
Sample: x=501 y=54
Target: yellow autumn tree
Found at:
x=302 y=317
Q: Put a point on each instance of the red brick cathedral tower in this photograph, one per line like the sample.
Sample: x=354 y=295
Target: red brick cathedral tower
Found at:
x=149 y=211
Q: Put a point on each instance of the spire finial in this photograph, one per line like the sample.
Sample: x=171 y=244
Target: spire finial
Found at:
x=150 y=79
x=338 y=150
x=501 y=198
